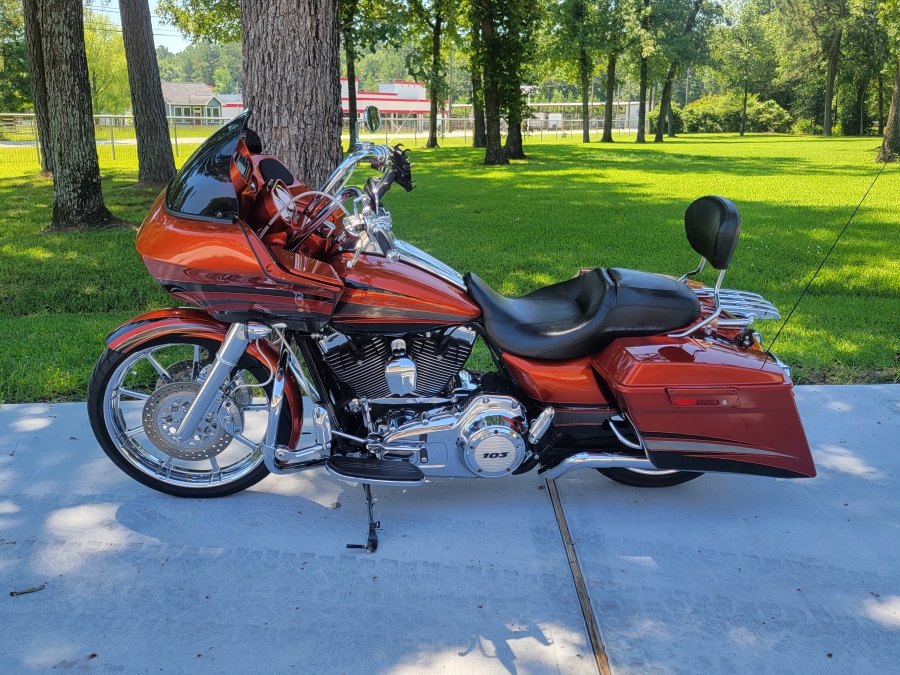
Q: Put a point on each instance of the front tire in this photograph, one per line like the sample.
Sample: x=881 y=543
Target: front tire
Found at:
x=646 y=478
x=120 y=381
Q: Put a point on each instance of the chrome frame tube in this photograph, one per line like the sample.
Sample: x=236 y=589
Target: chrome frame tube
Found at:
x=624 y=441
x=297 y=371
x=275 y=401
x=233 y=347
x=712 y=317
x=326 y=212
x=688 y=275
x=294 y=200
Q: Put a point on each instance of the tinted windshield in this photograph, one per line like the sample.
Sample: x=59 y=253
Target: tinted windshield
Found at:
x=203 y=187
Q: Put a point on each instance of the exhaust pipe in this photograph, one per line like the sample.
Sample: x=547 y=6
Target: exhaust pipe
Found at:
x=595 y=460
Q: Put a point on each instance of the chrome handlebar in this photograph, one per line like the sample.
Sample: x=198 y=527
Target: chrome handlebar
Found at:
x=379 y=157
x=372 y=227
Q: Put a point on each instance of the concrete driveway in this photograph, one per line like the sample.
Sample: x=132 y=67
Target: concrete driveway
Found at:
x=724 y=574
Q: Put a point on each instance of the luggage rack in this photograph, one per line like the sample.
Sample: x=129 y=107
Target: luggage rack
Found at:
x=745 y=307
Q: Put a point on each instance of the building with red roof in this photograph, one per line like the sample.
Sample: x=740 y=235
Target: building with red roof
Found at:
x=398 y=99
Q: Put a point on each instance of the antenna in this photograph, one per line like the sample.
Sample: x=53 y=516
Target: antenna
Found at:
x=822 y=264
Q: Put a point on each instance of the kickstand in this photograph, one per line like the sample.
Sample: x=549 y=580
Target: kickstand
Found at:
x=372 y=544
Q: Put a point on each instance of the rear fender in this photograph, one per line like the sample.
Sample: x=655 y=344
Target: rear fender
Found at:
x=196 y=323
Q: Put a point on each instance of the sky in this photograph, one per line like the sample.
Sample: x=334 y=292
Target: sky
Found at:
x=165 y=36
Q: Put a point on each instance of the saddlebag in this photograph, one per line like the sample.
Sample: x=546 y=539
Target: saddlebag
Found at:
x=702 y=405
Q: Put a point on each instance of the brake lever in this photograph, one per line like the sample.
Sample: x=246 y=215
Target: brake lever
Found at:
x=361 y=242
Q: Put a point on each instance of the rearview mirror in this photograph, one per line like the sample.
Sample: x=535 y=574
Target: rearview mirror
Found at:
x=372 y=118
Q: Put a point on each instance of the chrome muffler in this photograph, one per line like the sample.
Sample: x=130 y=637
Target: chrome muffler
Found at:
x=595 y=460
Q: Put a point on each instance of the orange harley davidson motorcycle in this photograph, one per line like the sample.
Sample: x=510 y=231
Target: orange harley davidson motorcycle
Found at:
x=299 y=292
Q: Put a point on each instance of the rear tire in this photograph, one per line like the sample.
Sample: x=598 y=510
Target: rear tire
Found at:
x=649 y=479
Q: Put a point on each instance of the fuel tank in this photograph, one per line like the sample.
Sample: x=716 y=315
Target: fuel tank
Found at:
x=380 y=296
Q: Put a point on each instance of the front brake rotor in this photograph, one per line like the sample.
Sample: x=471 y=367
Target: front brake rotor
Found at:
x=165 y=409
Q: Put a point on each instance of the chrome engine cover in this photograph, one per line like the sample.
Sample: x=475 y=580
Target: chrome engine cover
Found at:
x=483 y=439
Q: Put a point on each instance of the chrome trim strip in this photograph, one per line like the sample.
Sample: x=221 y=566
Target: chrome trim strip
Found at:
x=687 y=446
x=410 y=400
x=418 y=258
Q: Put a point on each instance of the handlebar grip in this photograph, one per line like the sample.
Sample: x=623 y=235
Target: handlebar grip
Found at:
x=383 y=242
x=392 y=254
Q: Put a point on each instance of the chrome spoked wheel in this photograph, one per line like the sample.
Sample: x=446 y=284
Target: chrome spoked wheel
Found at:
x=145 y=397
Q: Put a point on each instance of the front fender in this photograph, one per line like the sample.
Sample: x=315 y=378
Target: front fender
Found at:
x=191 y=322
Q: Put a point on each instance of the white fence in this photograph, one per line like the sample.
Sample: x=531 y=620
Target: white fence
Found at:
x=20 y=149
x=114 y=135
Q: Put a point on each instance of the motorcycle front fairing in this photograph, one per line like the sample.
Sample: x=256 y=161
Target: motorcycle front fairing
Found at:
x=197 y=247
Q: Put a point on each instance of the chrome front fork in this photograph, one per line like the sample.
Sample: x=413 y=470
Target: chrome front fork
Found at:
x=279 y=459
x=212 y=392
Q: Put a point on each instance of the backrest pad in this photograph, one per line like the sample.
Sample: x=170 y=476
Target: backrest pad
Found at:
x=713 y=226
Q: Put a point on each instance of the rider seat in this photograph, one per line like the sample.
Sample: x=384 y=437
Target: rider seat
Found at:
x=584 y=314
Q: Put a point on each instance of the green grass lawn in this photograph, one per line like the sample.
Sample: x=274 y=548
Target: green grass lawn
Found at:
x=520 y=227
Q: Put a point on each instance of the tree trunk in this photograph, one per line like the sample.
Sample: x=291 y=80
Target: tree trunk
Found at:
x=834 y=52
x=35 y=56
x=433 y=88
x=350 y=53
x=664 y=103
x=493 y=153
x=610 y=94
x=77 y=193
x=642 y=104
x=154 y=149
x=513 y=148
x=862 y=108
x=880 y=104
x=292 y=68
x=890 y=146
x=479 y=138
x=642 y=88
x=744 y=111
x=670 y=118
x=584 y=67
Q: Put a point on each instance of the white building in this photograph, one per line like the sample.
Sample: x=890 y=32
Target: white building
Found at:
x=232 y=105
x=190 y=99
x=396 y=100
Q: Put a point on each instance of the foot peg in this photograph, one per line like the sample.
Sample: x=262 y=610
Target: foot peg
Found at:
x=374 y=471
x=371 y=544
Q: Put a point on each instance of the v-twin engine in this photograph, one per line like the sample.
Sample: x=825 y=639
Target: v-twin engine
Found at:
x=486 y=437
x=377 y=367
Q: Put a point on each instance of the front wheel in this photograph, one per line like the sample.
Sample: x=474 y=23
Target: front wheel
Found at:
x=649 y=478
x=137 y=399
